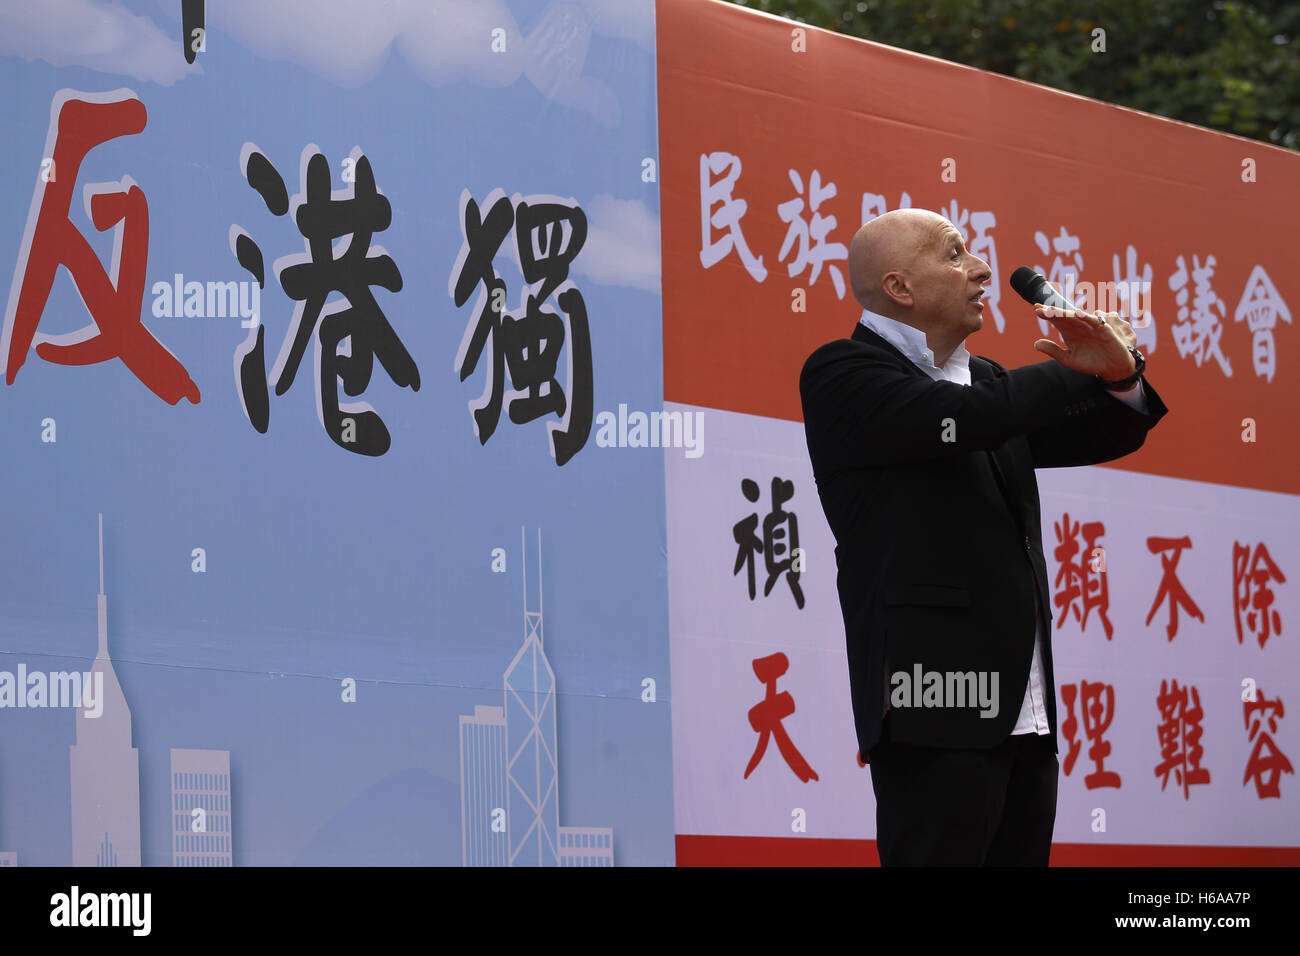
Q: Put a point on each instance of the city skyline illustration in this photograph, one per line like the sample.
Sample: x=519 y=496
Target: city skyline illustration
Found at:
x=509 y=764
x=105 y=779
x=508 y=770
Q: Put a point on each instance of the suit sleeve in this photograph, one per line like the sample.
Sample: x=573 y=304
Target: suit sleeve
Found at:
x=1097 y=429
x=862 y=410
x=1135 y=397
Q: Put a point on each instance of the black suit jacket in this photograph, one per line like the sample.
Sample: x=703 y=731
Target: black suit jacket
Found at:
x=938 y=542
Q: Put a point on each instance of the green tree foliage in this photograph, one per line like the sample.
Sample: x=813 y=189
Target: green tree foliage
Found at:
x=1231 y=66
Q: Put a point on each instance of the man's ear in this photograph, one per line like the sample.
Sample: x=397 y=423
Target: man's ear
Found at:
x=895 y=286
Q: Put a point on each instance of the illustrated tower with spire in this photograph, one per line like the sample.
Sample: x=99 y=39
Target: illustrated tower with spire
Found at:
x=105 y=767
x=509 y=766
x=533 y=788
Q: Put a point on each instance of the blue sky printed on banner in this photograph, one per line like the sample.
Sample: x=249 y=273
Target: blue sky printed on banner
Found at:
x=322 y=564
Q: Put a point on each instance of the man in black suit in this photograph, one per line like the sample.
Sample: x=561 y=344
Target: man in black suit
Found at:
x=924 y=457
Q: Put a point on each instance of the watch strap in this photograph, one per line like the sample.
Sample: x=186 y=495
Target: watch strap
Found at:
x=1139 y=366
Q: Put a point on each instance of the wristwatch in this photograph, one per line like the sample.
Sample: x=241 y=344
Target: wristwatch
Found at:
x=1140 y=364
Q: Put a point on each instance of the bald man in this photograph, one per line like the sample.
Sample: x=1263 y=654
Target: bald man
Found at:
x=924 y=457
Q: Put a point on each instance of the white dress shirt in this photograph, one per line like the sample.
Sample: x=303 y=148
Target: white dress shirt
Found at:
x=913 y=343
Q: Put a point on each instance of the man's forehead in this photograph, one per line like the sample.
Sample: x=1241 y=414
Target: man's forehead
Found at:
x=937 y=234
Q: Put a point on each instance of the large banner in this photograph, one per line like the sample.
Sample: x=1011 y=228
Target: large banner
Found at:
x=383 y=485
x=1172 y=610
x=319 y=543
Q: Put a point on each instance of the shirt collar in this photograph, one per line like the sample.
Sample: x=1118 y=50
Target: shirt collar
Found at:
x=911 y=341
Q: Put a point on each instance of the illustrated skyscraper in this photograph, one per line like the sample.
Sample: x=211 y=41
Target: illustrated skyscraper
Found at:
x=534 y=783
x=586 y=846
x=484 y=836
x=8 y=858
x=201 y=782
x=105 y=767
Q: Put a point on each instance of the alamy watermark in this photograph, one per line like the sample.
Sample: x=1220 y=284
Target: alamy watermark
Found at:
x=651 y=430
x=55 y=689
x=127 y=910
x=945 y=689
x=1130 y=299
x=211 y=300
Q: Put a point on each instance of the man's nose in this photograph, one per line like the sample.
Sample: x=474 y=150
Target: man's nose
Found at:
x=981 y=270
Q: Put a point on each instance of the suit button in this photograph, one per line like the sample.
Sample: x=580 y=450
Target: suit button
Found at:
x=1027 y=547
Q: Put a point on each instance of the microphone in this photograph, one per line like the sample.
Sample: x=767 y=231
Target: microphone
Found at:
x=1036 y=290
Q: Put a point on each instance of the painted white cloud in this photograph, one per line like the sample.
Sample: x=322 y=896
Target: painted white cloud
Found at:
x=632 y=20
x=556 y=52
x=348 y=41
x=94 y=34
x=622 y=246
x=444 y=41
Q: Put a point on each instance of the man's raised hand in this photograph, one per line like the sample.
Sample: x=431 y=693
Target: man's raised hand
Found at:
x=1096 y=343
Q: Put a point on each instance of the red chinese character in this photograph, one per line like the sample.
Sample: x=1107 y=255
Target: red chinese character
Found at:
x=1180 y=737
x=766 y=716
x=1070 y=726
x=78 y=123
x=1082 y=582
x=1170 y=586
x=1253 y=574
x=1096 y=718
x=1274 y=762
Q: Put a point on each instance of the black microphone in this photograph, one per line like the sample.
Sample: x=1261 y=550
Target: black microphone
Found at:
x=1035 y=289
